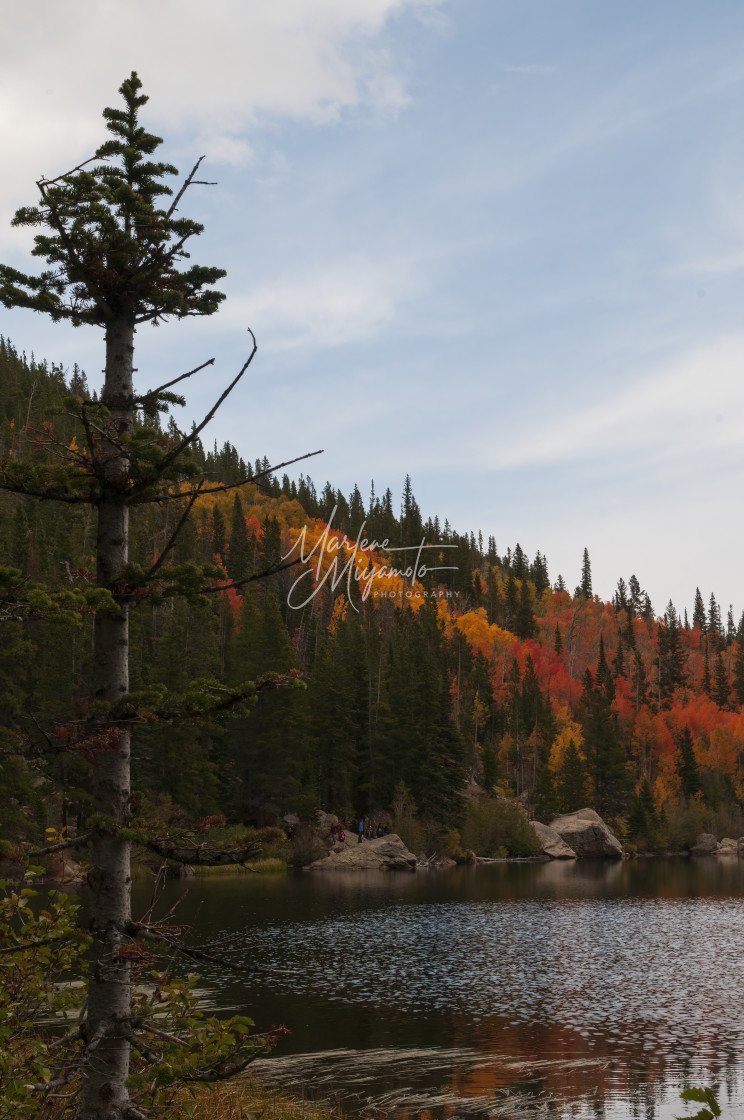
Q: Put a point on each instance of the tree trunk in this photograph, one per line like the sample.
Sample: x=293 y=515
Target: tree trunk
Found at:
x=105 y=1096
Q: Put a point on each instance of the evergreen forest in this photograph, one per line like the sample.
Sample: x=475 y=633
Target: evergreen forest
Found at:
x=482 y=675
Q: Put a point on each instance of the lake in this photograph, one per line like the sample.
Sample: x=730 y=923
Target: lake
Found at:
x=560 y=989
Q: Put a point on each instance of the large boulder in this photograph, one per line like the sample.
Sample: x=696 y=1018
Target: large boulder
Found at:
x=386 y=853
x=705 y=845
x=587 y=834
x=552 y=843
x=728 y=847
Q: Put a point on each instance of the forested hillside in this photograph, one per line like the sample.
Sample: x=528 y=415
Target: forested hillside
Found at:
x=487 y=673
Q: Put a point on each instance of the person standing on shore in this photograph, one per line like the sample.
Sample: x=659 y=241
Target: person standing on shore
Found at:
x=361 y=831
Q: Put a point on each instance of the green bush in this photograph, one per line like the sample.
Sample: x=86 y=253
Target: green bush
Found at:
x=496 y=829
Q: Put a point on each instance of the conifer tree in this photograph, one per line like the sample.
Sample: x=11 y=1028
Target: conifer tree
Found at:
x=715 y=628
x=687 y=766
x=738 y=683
x=239 y=549
x=642 y=818
x=586 y=576
x=219 y=535
x=721 y=687
x=604 y=754
x=571 y=781
x=706 y=684
x=114 y=254
x=699 y=620
x=558 y=640
x=524 y=623
x=544 y=796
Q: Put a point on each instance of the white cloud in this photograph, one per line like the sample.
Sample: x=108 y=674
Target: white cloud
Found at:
x=695 y=401
x=339 y=302
x=213 y=71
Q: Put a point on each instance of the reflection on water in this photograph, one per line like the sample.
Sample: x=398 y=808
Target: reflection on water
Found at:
x=603 y=986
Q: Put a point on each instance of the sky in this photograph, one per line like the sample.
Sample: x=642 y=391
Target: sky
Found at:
x=495 y=244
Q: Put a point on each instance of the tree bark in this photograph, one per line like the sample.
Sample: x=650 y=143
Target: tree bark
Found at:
x=105 y=1096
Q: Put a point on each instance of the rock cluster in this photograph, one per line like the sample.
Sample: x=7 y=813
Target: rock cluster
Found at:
x=587 y=835
x=388 y=853
x=552 y=843
x=707 y=845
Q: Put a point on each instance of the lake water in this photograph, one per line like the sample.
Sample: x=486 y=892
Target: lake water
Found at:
x=516 y=990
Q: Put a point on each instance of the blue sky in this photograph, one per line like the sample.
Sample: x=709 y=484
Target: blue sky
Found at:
x=497 y=245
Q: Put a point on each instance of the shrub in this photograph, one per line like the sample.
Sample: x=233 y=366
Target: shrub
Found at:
x=497 y=829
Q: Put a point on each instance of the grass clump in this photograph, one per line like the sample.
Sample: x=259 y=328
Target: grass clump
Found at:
x=242 y=1099
x=272 y=866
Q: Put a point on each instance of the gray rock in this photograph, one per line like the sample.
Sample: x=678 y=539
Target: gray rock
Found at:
x=325 y=821
x=386 y=853
x=552 y=843
x=705 y=845
x=587 y=834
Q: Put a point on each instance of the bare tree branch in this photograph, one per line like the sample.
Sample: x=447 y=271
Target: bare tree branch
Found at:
x=43 y=181
x=189 y=439
x=223 y=486
x=251 y=579
x=151 y=933
x=161 y=388
x=223 y=1073
x=60 y=845
x=16 y=487
x=35 y=943
x=150 y=575
x=189 y=181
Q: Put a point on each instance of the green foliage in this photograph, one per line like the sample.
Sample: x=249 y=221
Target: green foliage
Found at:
x=571 y=781
x=687 y=766
x=701 y=1096
x=44 y=946
x=643 y=821
x=405 y=822
x=40 y=979
x=497 y=828
x=110 y=247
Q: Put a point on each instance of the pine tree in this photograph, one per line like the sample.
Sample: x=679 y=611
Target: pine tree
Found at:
x=519 y=563
x=604 y=754
x=524 y=623
x=539 y=574
x=586 y=576
x=699 y=620
x=738 y=684
x=620 y=599
x=544 y=796
x=715 y=628
x=670 y=661
x=239 y=552
x=558 y=640
x=113 y=254
x=219 y=535
x=571 y=781
x=721 y=686
x=706 y=683
x=687 y=766
x=642 y=818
